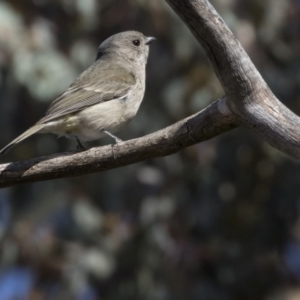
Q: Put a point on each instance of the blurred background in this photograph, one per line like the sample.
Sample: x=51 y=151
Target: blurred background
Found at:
x=216 y=221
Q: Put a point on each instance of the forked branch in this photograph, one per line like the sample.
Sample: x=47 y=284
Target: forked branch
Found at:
x=249 y=97
x=249 y=103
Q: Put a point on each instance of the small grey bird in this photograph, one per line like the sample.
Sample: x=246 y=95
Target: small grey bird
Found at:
x=104 y=97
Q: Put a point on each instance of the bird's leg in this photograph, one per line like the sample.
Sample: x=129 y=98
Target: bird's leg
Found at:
x=80 y=147
x=117 y=140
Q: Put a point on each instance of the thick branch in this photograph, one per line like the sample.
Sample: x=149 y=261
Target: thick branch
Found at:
x=249 y=102
x=249 y=97
x=208 y=123
x=231 y=63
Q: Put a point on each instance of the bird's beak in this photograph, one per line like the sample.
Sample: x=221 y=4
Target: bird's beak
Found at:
x=150 y=40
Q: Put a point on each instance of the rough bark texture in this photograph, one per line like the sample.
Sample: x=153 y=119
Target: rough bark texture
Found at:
x=249 y=97
x=249 y=103
x=187 y=132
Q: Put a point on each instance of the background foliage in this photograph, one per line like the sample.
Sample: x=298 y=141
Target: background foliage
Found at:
x=219 y=220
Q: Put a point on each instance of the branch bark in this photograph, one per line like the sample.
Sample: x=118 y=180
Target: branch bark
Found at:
x=249 y=97
x=248 y=102
x=210 y=122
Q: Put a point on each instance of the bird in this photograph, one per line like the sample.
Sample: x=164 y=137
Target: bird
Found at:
x=104 y=98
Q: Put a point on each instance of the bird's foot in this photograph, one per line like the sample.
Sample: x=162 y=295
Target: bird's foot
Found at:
x=117 y=140
x=79 y=147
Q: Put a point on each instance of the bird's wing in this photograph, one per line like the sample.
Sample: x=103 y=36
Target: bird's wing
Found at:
x=89 y=89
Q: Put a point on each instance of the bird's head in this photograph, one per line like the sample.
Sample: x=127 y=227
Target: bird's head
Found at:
x=131 y=45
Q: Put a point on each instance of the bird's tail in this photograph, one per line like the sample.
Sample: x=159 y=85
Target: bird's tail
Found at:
x=32 y=130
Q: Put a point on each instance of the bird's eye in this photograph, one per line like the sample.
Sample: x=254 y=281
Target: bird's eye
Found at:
x=136 y=43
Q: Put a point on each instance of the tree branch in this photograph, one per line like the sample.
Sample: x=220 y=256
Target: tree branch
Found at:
x=210 y=122
x=249 y=97
x=249 y=103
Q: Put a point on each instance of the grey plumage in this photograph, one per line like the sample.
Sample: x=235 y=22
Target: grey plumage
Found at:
x=104 y=97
